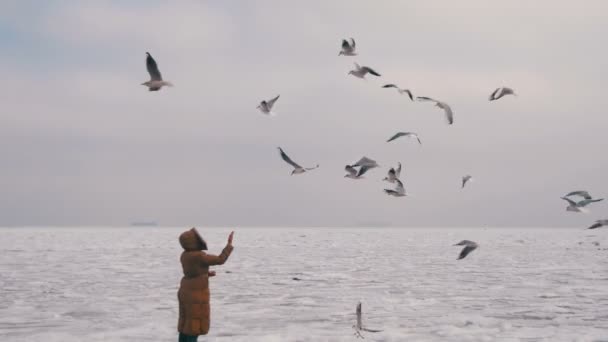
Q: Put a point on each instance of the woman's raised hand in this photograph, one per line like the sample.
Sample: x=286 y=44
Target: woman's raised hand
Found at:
x=230 y=238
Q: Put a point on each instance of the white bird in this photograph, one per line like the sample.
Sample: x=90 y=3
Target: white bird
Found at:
x=266 y=106
x=156 y=80
x=297 y=168
x=469 y=247
x=348 y=48
x=598 y=224
x=449 y=115
x=366 y=162
x=353 y=173
x=465 y=179
x=399 y=190
x=361 y=71
x=359 y=325
x=579 y=207
x=401 y=91
x=405 y=134
x=393 y=174
x=581 y=193
x=500 y=92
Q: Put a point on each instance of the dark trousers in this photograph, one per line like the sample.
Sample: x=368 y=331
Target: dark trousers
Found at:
x=187 y=338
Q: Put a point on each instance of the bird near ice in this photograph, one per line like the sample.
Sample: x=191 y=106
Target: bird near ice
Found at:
x=405 y=134
x=599 y=224
x=469 y=246
x=353 y=173
x=359 y=325
x=399 y=190
x=449 y=115
x=579 y=207
x=266 y=106
x=401 y=91
x=500 y=92
x=156 y=79
x=348 y=48
x=297 y=169
x=393 y=174
x=465 y=180
x=581 y=193
x=361 y=71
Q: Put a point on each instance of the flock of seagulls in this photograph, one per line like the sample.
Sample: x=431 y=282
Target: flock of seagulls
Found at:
x=359 y=169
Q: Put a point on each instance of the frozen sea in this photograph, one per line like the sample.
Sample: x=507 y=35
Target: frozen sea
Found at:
x=120 y=284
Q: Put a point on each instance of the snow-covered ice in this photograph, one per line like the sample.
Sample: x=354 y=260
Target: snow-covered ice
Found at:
x=111 y=284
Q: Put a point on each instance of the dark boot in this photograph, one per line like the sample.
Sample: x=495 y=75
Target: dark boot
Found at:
x=187 y=338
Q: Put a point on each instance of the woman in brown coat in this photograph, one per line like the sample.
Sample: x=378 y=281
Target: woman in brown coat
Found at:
x=193 y=294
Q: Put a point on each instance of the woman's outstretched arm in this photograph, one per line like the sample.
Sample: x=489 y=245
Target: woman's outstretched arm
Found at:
x=211 y=260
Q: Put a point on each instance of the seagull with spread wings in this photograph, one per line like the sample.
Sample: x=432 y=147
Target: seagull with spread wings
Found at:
x=348 y=48
x=401 y=91
x=500 y=92
x=465 y=180
x=266 y=106
x=405 y=134
x=156 y=79
x=449 y=114
x=361 y=71
x=297 y=169
x=579 y=207
x=399 y=190
x=469 y=246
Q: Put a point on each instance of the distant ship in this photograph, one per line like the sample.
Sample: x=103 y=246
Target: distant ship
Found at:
x=144 y=224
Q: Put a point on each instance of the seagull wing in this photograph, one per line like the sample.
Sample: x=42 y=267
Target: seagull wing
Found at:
x=363 y=170
x=492 y=96
x=352 y=43
x=371 y=330
x=390 y=86
x=466 y=250
x=397 y=135
x=595 y=225
x=153 y=68
x=581 y=193
x=400 y=189
x=345 y=44
x=288 y=160
x=571 y=202
x=586 y=202
x=426 y=99
x=271 y=102
x=449 y=115
x=371 y=71
x=365 y=162
x=398 y=171
x=351 y=170
x=418 y=138
x=409 y=94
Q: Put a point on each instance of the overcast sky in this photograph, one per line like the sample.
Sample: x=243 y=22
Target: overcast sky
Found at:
x=83 y=143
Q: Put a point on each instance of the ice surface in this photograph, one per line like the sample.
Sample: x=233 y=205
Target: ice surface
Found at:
x=110 y=284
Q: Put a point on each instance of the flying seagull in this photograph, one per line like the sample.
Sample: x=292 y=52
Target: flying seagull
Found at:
x=353 y=173
x=393 y=174
x=156 y=80
x=469 y=247
x=449 y=115
x=465 y=179
x=361 y=71
x=581 y=193
x=579 y=207
x=359 y=326
x=348 y=48
x=598 y=224
x=405 y=134
x=401 y=91
x=399 y=190
x=266 y=106
x=500 y=92
x=297 y=169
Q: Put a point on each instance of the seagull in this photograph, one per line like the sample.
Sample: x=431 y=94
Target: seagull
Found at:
x=361 y=71
x=266 y=106
x=469 y=247
x=156 y=80
x=405 y=134
x=500 y=92
x=359 y=326
x=399 y=190
x=393 y=174
x=598 y=224
x=449 y=115
x=401 y=91
x=353 y=173
x=579 y=207
x=297 y=168
x=366 y=162
x=465 y=179
x=348 y=48
x=583 y=194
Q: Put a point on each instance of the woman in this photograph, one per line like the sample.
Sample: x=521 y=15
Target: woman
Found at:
x=193 y=294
